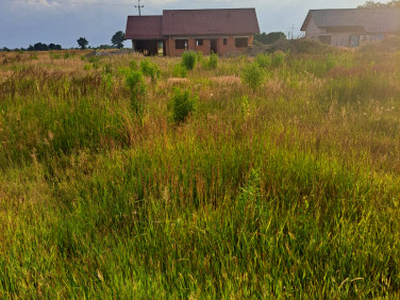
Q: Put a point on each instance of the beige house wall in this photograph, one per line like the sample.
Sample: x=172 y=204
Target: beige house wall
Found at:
x=312 y=30
x=339 y=39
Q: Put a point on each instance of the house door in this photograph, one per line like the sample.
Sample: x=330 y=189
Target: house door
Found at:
x=214 y=46
x=354 y=40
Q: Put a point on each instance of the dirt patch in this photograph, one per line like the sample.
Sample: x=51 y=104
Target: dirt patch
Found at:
x=226 y=80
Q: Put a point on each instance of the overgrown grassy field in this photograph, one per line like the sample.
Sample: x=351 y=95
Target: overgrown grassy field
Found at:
x=268 y=177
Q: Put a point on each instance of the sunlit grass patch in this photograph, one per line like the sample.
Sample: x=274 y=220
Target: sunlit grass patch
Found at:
x=290 y=189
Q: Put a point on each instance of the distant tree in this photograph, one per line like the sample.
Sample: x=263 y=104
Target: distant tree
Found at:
x=5 y=49
x=54 y=47
x=269 y=38
x=40 y=47
x=372 y=4
x=82 y=42
x=118 y=39
x=104 y=47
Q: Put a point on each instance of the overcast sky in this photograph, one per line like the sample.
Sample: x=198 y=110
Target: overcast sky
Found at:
x=25 y=22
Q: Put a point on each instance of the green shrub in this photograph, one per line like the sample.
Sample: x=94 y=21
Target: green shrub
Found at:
x=150 y=69
x=212 y=62
x=179 y=71
x=263 y=60
x=253 y=76
x=133 y=65
x=189 y=60
x=183 y=103
x=278 y=59
x=137 y=87
x=199 y=56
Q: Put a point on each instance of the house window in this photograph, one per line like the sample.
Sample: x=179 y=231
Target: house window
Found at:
x=181 y=44
x=325 y=39
x=225 y=41
x=241 y=42
x=199 y=42
x=376 y=37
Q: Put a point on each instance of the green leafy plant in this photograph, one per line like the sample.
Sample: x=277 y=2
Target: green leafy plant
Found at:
x=137 y=87
x=189 y=60
x=253 y=76
x=212 y=62
x=278 y=59
x=179 y=71
x=133 y=65
x=150 y=68
x=182 y=104
x=245 y=107
x=263 y=60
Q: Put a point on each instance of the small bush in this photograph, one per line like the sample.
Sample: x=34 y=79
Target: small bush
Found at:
x=263 y=60
x=199 y=56
x=179 y=71
x=253 y=76
x=150 y=69
x=189 y=60
x=278 y=59
x=212 y=62
x=133 y=65
x=183 y=103
x=136 y=85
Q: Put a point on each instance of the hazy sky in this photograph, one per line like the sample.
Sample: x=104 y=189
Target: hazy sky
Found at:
x=25 y=22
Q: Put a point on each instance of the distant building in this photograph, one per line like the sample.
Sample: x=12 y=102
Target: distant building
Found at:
x=205 y=30
x=351 y=27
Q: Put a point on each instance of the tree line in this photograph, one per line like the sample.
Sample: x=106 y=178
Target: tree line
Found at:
x=117 y=41
x=372 y=4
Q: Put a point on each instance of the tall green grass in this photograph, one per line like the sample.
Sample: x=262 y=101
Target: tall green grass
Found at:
x=288 y=190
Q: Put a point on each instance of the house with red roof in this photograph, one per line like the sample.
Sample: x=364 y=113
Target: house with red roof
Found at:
x=206 y=30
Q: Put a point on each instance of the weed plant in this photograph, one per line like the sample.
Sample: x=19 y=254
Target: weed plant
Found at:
x=264 y=60
x=179 y=71
x=253 y=76
x=189 y=60
x=182 y=104
x=137 y=88
x=212 y=62
x=286 y=191
x=149 y=68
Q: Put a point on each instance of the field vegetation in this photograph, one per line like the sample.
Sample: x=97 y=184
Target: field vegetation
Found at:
x=252 y=177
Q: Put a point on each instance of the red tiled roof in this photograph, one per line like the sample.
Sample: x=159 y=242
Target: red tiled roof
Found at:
x=210 y=22
x=143 y=27
x=241 y=21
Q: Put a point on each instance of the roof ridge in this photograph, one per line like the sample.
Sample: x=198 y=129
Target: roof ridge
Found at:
x=208 y=9
x=361 y=8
